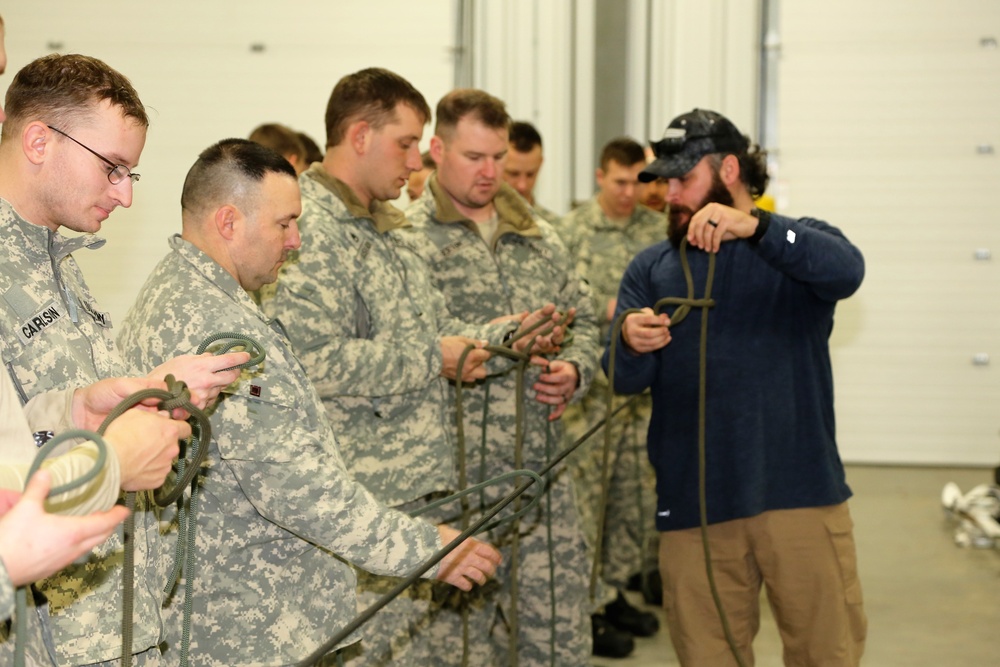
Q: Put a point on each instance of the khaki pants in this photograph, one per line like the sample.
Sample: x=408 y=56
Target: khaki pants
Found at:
x=804 y=557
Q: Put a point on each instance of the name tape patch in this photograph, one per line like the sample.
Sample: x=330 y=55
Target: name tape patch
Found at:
x=31 y=327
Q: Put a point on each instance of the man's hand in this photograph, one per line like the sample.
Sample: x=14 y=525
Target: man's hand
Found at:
x=451 y=350
x=716 y=223
x=34 y=544
x=556 y=386
x=471 y=562
x=146 y=445
x=546 y=339
x=202 y=373
x=644 y=332
x=92 y=404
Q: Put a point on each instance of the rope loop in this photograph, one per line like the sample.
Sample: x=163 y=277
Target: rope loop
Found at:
x=236 y=340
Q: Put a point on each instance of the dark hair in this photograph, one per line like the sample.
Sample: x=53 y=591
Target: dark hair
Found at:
x=524 y=137
x=229 y=170
x=64 y=90
x=371 y=95
x=427 y=160
x=480 y=105
x=313 y=153
x=624 y=151
x=753 y=167
x=280 y=139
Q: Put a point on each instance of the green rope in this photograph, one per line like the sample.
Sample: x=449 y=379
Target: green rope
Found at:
x=540 y=328
x=188 y=468
x=21 y=594
x=473 y=529
x=176 y=396
x=684 y=306
x=550 y=544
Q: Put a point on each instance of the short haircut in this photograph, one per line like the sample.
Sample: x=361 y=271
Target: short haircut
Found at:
x=624 y=151
x=371 y=95
x=427 y=160
x=477 y=104
x=313 y=153
x=63 y=91
x=229 y=172
x=524 y=137
x=280 y=139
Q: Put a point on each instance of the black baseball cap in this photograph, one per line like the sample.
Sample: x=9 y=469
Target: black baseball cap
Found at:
x=688 y=138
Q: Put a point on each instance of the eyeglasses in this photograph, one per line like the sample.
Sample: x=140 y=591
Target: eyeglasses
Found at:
x=116 y=174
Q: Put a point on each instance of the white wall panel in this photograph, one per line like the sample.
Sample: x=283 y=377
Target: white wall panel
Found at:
x=881 y=108
x=193 y=67
x=702 y=54
x=523 y=52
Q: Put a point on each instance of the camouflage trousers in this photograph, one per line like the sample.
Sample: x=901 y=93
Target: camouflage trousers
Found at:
x=392 y=635
x=551 y=610
x=629 y=544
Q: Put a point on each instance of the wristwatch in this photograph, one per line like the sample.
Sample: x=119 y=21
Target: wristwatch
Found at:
x=763 y=222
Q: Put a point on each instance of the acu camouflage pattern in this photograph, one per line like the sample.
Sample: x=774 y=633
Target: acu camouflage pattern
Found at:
x=545 y=214
x=602 y=251
x=366 y=323
x=526 y=267
x=276 y=499
x=54 y=336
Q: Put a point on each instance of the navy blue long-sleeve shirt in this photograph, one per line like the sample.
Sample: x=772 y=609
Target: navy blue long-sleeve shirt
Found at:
x=770 y=435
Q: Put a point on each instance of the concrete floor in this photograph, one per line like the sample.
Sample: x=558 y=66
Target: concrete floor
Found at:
x=929 y=602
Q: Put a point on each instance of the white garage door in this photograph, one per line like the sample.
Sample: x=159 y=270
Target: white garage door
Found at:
x=889 y=127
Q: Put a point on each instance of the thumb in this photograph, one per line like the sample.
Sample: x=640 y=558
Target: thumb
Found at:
x=38 y=487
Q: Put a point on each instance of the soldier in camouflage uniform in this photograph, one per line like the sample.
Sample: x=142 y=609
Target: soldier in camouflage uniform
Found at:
x=490 y=255
x=603 y=235
x=276 y=498
x=53 y=334
x=524 y=161
x=371 y=330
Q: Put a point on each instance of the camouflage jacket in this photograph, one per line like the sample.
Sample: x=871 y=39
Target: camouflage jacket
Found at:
x=602 y=250
x=276 y=499
x=526 y=267
x=545 y=214
x=54 y=336
x=366 y=323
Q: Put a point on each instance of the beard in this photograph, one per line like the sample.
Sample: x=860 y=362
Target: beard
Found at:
x=678 y=217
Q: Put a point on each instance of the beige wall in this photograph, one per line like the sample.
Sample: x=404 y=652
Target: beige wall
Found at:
x=881 y=107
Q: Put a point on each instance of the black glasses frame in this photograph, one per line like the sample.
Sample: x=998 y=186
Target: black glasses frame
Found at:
x=116 y=174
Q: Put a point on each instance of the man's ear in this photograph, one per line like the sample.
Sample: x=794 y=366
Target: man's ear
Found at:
x=226 y=220
x=35 y=139
x=359 y=134
x=437 y=149
x=599 y=176
x=729 y=170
